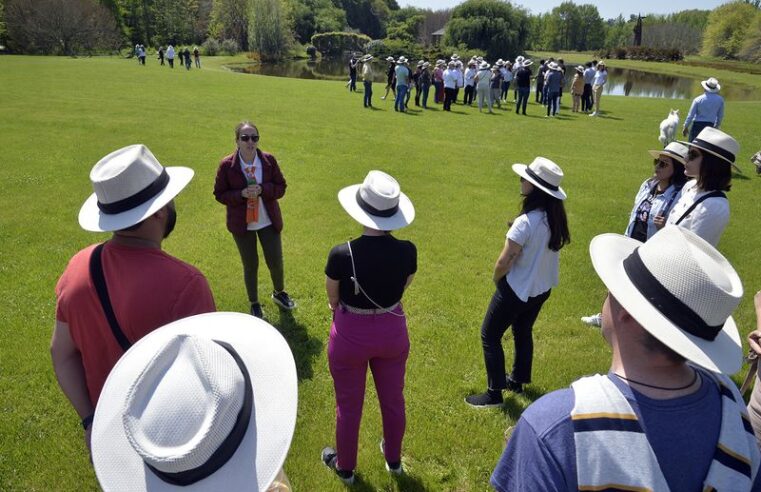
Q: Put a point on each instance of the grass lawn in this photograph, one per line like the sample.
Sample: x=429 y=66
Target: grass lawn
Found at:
x=58 y=116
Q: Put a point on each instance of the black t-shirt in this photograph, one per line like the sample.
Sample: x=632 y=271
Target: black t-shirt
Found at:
x=523 y=77
x=383 y=264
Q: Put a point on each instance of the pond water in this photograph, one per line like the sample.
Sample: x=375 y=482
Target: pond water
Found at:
x=621 y=82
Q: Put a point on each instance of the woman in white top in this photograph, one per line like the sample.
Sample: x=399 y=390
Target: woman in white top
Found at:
x=601 y=78
x=702 y=206
x=525 y=272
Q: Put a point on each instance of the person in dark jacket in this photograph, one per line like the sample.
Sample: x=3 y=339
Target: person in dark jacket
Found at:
x=249 y=183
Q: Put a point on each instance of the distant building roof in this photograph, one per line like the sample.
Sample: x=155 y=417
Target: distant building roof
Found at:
x=440 y=32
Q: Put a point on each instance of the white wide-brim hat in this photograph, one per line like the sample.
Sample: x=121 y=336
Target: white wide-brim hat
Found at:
x=179 y=395
x=675 y=150
x=378 y=203
x=674 y=267
x=527 y=63
x=711 y=85
x=484 y=66
x=130 y=185
x=544 y=174
x=553 y=66
x=718 y=143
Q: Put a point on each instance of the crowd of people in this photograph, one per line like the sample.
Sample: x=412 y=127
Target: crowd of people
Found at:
x=171 y=393
x=187 y=58
x=483 y=83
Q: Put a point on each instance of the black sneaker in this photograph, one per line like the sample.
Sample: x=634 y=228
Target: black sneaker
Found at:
x=329 y=458
x=283 y=300
x=485 y=400
x=513 y=385
x=256 y=310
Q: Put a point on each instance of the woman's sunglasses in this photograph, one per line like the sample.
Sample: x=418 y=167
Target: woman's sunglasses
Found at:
x=693 y=154
x=246 y=138
x=661 y=164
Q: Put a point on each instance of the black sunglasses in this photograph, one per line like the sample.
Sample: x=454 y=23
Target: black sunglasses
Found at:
x=693 y=154
x=661 y=164
x=246 y=138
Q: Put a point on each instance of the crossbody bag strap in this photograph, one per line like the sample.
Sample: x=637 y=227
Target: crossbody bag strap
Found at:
x=96 y=273
x=713 y=194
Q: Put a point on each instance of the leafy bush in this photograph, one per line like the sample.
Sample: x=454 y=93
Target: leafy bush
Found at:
x=210 y=47
x=229 y=47
x=727 y=28
x=336 y=43
x=311 y=52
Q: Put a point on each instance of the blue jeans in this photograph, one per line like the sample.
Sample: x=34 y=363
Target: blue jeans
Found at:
x=523 y=93
x=401 y=93
x=425 y=89
x=368 y=92
x=552 y=102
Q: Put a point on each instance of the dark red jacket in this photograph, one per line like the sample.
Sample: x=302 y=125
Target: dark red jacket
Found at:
x=230 y=181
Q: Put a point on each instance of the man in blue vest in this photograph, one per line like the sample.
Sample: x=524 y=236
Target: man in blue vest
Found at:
x=666 y=416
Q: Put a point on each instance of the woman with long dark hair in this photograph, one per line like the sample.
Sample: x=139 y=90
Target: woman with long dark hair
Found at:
x=525 y=273
x=703 y=206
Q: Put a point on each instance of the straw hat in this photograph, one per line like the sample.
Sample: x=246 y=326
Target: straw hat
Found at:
x=553 y=66
x=208 y=402
x=378 y=203
x=366 y=58
x=484 y=66
x=130 y=185
x=544 y=174
x=711 y=85
x=390 y=59
x=675 y=150
x=718 y=143
x=401 y=60
x=526 y=63
x=680 y=289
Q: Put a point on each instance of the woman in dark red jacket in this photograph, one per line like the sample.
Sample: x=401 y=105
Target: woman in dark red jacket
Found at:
x=249 y=183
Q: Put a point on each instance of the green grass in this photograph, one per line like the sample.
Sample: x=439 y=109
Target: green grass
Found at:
x=58 y=116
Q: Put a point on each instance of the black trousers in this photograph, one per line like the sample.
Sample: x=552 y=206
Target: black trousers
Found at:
x=449 y=97
x=586 y=98
x=505 y=310
x=470 y=93
x=697 y=127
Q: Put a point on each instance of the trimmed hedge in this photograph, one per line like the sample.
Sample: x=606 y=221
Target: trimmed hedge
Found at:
x=336 y=43
x=644 y=53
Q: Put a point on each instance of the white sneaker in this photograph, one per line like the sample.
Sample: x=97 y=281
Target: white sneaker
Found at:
x=594 y=320
x=594 y=113
x=396 y=471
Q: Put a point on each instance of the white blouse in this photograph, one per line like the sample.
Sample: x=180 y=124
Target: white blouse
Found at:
x=708 y=220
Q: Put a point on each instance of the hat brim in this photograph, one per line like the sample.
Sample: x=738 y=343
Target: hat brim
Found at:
x=690 y=144
x=520 y=170
x=723 y=354
x=657 y=153
x=403 y=217
x=264 y=448
x=705 y=87
x=91 y=218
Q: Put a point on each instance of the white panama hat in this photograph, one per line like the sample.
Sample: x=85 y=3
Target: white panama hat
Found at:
x=554 y=66
x=378 y=203
x=484 y=66
x=675 y=150
x=679 y=288
x=711 y=85
x=526 y=63
x=718 y=143
x=213 y=394
x=130 y=185
x=544 y=174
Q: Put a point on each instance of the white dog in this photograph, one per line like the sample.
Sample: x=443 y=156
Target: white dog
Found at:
x=668 y=127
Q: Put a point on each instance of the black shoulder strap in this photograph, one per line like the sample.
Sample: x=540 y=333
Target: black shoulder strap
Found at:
x=713 y=194
x=96 y=272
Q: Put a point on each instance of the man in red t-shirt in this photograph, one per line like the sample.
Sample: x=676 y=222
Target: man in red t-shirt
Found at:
x=147 y=288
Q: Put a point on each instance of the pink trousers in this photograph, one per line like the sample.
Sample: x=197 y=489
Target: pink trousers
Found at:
x=356 y=342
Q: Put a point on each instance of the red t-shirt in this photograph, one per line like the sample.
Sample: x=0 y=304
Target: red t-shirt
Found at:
x=148 y=289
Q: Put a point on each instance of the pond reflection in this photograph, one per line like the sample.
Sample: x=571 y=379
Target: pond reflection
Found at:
x=621 y=82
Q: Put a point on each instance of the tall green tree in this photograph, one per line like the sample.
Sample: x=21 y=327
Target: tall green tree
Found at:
x=269 y=31
x=2 y=22
x=229 y=20
x=727 y=28
x=173 y=21
x=367 y=16
x=618 y=33
x=591 y=34
x=494 y=26
x=751 y=49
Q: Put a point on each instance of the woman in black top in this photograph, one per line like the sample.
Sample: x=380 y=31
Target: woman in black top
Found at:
x=365 y=281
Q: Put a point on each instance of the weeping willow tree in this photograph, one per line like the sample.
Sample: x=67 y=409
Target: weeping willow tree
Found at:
x=269 y=29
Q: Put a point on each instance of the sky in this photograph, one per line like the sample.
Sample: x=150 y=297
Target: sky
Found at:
x=608 y=9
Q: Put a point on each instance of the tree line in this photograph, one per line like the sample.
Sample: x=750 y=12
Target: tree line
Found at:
x=274 y=28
